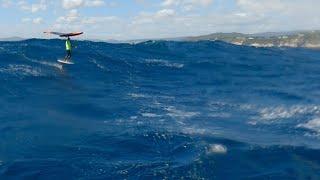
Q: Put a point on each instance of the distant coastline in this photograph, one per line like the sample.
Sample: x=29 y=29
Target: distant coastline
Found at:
x=305 y=39
x=15 y=38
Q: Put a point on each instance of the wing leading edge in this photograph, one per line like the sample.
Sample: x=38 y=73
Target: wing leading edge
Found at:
x=64 y=34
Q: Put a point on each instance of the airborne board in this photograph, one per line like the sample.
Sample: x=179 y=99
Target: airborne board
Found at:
x=65 y=62
x=64 y=34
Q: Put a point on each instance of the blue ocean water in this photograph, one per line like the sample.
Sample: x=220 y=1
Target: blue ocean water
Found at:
x=158 y=110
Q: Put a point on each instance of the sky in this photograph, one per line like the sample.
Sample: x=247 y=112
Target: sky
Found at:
x=142 y=19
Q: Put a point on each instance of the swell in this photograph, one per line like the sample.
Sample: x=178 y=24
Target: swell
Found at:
x=158 y=110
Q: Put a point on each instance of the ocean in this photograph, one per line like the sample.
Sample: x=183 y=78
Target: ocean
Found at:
x=158 y=110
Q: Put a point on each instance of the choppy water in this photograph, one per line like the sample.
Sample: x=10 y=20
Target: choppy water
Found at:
x=158 y=110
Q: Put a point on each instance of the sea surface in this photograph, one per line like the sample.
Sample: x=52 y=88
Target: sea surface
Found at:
x=158 y=110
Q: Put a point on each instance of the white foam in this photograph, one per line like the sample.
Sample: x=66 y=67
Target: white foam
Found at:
x=165 y=63
x=134 y=95
x=246 y=107
x=312 y=125
x=220 y=114
x=151 y=115
x=194 y=130
x=283 y=112
x=215 y=104
x=21 y=70
x=173 y=112
x=133 y=117
x=214 y=149
x=218 y=105
x=98 y=64
x=312 y=135
x=57 y=65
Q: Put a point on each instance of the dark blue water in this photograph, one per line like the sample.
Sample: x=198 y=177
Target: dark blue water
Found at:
x=158 y=110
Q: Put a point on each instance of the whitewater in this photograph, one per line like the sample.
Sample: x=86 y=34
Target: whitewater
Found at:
x=158 y=110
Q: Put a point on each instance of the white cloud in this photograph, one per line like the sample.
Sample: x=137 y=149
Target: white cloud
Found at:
x=199 y=2
x=170 y=3
x=41 y=6
x=284 y=7
x=263 y=7
x=174 y=18
x=72 y=4
x=189 y=3
x=95 y=3
x=38 y=7
x=241 y=14
x=150 y=18
x=284 y=15
x=6 y=3
x=37 y=20
x=74 y=21
x=188 y=8
x=165 y=13
x=25 y=20
x=71 y=17
x=21 y=3
x=144 y=2
x=74 y=17
x=98 y=20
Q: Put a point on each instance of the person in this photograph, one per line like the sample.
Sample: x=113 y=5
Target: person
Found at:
x=68 y=49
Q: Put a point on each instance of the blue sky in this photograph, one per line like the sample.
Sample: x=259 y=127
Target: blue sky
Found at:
x=135 y=19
